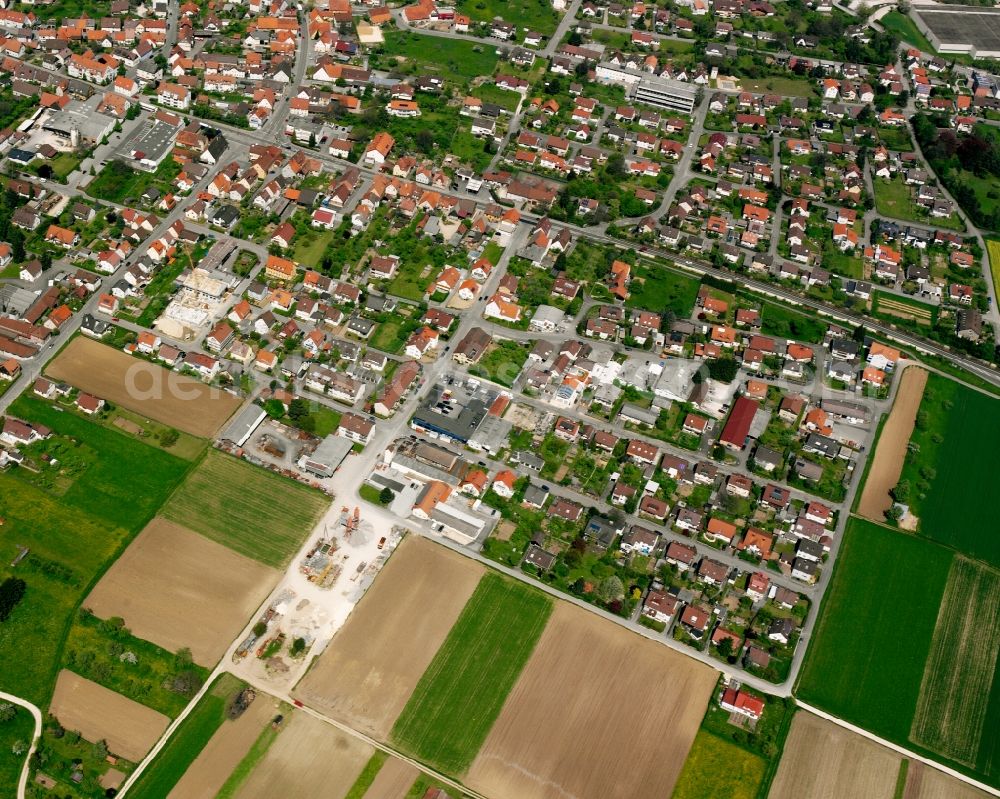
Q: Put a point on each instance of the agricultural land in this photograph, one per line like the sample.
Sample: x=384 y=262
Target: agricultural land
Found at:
x=143 y=387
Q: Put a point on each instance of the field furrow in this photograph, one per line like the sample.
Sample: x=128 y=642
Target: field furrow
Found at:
x=951 y=712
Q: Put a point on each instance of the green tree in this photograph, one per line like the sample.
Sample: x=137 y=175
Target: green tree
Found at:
x=386 y=495
x=259 y=629
x=298 y=409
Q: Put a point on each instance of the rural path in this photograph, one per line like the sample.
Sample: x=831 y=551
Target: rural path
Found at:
x=900 y=749
x=22 y=783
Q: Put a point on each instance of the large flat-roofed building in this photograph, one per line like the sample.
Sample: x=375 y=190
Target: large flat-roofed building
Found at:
x=153 y=146
x=674 y=95
x=960 y=29
x=642 y=87
x=454 y=411
x=78 y=123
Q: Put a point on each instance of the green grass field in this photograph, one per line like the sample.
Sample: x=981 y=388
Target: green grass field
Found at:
x=904 y=27
x=866 y=661
x=187 y=742
x=955 y=434
x=896 y=306
x=993 y=247
x=776 y=320
x=67 y=550
x=663 y=289
x=248 y=509
x=951 y=715
x=453 y=59
x=20 y=728
x=535 y=15
x=125 y=483
x=786 y=87
x=158 y=679
x=72 y=535
x=463 y=690
x=894 y=199
x=717 y=768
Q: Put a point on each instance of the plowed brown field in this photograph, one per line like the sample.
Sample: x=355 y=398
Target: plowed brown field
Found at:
x=143 y=387
x=308 y=758
x=178 y=589
x=887 y=463
x=225 y=749
x=97 y=713
x=825 y=761
x=373 y=664
x=572 y=727
x=393 y=780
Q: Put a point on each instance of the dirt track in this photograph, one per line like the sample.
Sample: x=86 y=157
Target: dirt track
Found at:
x=143 y=387
x=373 y=664
x=824 y=761
x=308 y=758
x=178 y=589
x=224 y=751
x=572 y=727
x=887 y=463
x=393 y=780
x=129 y=728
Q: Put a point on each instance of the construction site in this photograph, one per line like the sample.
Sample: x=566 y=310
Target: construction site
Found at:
x=348 y=548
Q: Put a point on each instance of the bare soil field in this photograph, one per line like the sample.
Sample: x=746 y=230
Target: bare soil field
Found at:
x=98 y=714
x=308 y=758
x=178 y=589
x=924 y=782
x=954 y=695
x=143 y=387
x=224 y=751
x=372 y=665
x=824 y=761
x=572 y=728
x=393 y=780
x=887 y=463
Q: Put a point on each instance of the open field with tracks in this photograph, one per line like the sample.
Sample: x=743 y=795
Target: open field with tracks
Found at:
x=308 y=758
x=572 y=727
x=376 y=659
x=178 y=589
x=460 y=695
x=248 y=509
x=824 y=761
x=887 y=463
x=98 y=714
x=951 y=715
x=224 y=751
x=866 y=660
x=143 y=387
